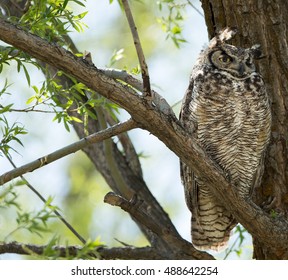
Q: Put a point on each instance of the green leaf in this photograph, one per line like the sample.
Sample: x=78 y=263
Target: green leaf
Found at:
x=66 y=125
x=116 y=56
x=6 y=108
x=26 y=74
x=176 y=30
x=65 y=4
x=81 y=16
x=49 y=250
x=75 y=119
x=91 y=114
x=30 y=100
x=19 y=64
x=35 y=89
x=79 y=3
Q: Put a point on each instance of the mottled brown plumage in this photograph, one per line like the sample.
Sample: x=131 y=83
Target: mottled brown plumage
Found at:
x=227 y=109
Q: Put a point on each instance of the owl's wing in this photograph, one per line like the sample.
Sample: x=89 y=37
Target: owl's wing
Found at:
x=211 y=223
x=190 y=188
x=258 y=176
x=185 y=116
x=190 y=125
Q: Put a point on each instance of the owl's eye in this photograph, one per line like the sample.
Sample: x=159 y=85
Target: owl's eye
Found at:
x=225 y=58
x=249 y=63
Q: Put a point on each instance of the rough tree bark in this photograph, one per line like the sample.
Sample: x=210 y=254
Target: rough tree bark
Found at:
x=266 y=23
x=270 y=233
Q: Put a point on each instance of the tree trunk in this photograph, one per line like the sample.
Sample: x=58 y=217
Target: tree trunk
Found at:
x=263 y=22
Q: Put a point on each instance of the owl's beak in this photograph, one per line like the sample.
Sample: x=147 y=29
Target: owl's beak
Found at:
x=241 y=69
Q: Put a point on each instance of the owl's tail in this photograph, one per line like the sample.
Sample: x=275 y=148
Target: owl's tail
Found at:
x=211 y=223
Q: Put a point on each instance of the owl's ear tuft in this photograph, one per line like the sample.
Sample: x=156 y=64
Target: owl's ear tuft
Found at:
x=223 y=36
x=226 y=34
x=256 y=51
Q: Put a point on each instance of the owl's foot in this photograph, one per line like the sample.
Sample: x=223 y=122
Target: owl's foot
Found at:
x=269 y=204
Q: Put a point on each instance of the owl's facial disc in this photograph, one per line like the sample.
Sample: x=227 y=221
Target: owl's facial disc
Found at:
x=239 y=66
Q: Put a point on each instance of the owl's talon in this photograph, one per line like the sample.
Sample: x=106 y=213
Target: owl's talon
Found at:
x=269 y=204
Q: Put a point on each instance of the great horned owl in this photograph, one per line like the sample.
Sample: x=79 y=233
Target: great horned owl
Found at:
x=227 y=109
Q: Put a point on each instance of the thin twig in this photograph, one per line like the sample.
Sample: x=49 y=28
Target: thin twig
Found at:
x=91 y=139
x=28 y=110
x=67 y=224
x=139 y=50
x=197 y=10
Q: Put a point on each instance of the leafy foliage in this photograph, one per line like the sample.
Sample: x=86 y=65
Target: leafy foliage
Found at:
x=33 y=221
x=236 y=247
x=10 y=134
x=172 y=23
x=8 y=197
x=52 y=19
x=89 y=249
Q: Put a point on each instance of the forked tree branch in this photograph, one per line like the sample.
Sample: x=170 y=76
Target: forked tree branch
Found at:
x=179 y=247
x=72 y=148
x=122 y=75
